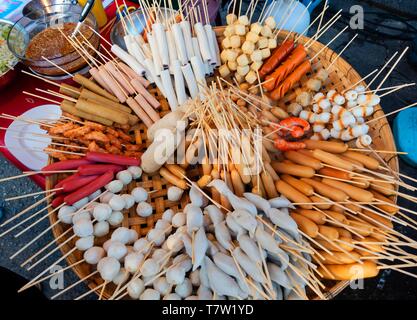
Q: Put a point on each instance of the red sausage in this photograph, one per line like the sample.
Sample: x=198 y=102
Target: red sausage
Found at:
x=97 y=169
x=88 y=189
x=67 y=179
x=58 y=201
x=279 y=55
x=65 y=165
x=112 y=158
x=78 y=183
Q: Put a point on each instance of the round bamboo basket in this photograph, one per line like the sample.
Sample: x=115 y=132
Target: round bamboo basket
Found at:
x=342 y=76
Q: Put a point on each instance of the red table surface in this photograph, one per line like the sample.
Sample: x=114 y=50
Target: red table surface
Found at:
x=14 y=102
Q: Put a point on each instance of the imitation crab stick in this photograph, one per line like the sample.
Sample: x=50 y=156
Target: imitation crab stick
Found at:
x=112 y=158
x=65 y=165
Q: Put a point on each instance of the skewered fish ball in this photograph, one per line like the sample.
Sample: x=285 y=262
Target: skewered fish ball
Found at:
x=265 y=53
x=129 y=200
x=66 y=213
x=140 y=194
x=179 y=219
x=162 y=286
x=234 y=42
x=149 y=268
x=232 y=65
x=105 y=198
x=263 y=43
x=114 y=186
x=83 y=228
x=270 y=22
x=85 y=243
x=157 y=236
x=256 y=55
x=144 y=209
x=266 y=31
x=243 y=20
x=242 y=60
x=109 y=268
x=313 y=84
x=322 y=75
x=174 y=193
x=251 y=77
x=294 y=109
x=226 y=44
x=184 y=289
x=117 y=203
x=94 y=255
x=252 y=37
x=351 y=95
x=101 y=228
x=122 y=235
x=133 y=236
x=121 y=277
x=240 y=30
x=117 y=250
x=231 y=18
x=229 y=30
x=168 y=215
x=102 y=212
x=135 y=171
x=135 y=288
x=243 y=70
x=132 y=261
x=150 y=294
x=248 y=47
x=256 y=28
x=115 y=218
x=272 y=43
x=124 y=176
x=255 y=66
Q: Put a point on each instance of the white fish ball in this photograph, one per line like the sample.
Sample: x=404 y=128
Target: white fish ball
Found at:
x=109 y=268
x=80 y=203
x=107 y=244
x=115 y=218
x=174 y=243
x=157 y=236
x=149 y=268
x=65 y=214
x=114 y=186
x=172 y=296
x=162 y=286
x=129 y=200
x=117 y=250
x=94 y=255
x=135 y=288
x=231 y=18
x=102 y=212
x=175 y=275
x=192 y=298
x=184 y=289
x=121 y=234
x=135 y=171
x=117 y=203
x=124 y=176
x=105 y=198
x=240 y=30
x=174 y=193
x=90 y=207
x=133 y=261
x=141 y=244
x=101 y=228
x=164 y=226
x=168 y=214
x=144 y=209
x=140 y=194
x=83 y=228
x=94 y=195
x=150 y=294
x=85 y=243
x=270 y=22
x=159 y=255
x=121 y=277
x=244 y=20
x=179 y=219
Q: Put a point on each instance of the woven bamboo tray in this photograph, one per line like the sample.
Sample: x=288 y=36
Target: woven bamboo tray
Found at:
x=342 y=75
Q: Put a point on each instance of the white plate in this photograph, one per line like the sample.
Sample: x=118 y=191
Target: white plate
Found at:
x=23 y=144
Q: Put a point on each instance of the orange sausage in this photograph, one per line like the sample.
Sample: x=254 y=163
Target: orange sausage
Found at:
x=285 y=69
x=305 y=225
x=329 y=232
x=302 y=159
x=337 y=246
x=326 y=191
x=330 y=172
x=353 y=161
x=343 y=232
x=301 y=186
x=279 y=55
x=340 y=217
x=355 y=193
x=173 y=179
x=338 y=257
x=387 y=189
x=390 y=207
x=351 y=271
x=293 y=169
x=376 y=219
x=269 y=186
x=314 y=215
x=363 y=228
x=293 y=194
x=321 y=206
x=291 y=80
x=328 y=146
x=367 y=161
x=332 y=159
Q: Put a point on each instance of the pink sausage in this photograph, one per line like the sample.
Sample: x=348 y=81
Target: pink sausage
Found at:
x=96 y=75
x=121 y=96
x=133 y=75
x=119 y=77
x=139 y=112
x=145 y=93
x=147 y=107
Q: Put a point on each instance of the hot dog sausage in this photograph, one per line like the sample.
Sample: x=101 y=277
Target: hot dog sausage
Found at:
x=326 y=191
x=303 y=160
x=389 y=207
x=293 y=194
x=301 y=186
x=355 y=193
x=65 y=165
x=173 y=179
x=332 y=160
x=349 y=272
x=338 y=257
x=269 y=186
x=112 y=158
x=96 y=169
x=367 y=161
x=340 y=217
x=328 y=146
x=330 y=172
x=314 y=215
x=305 y=225
x=90 y=188
x=321 y=202
x=329 y=232
x=293 y=169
